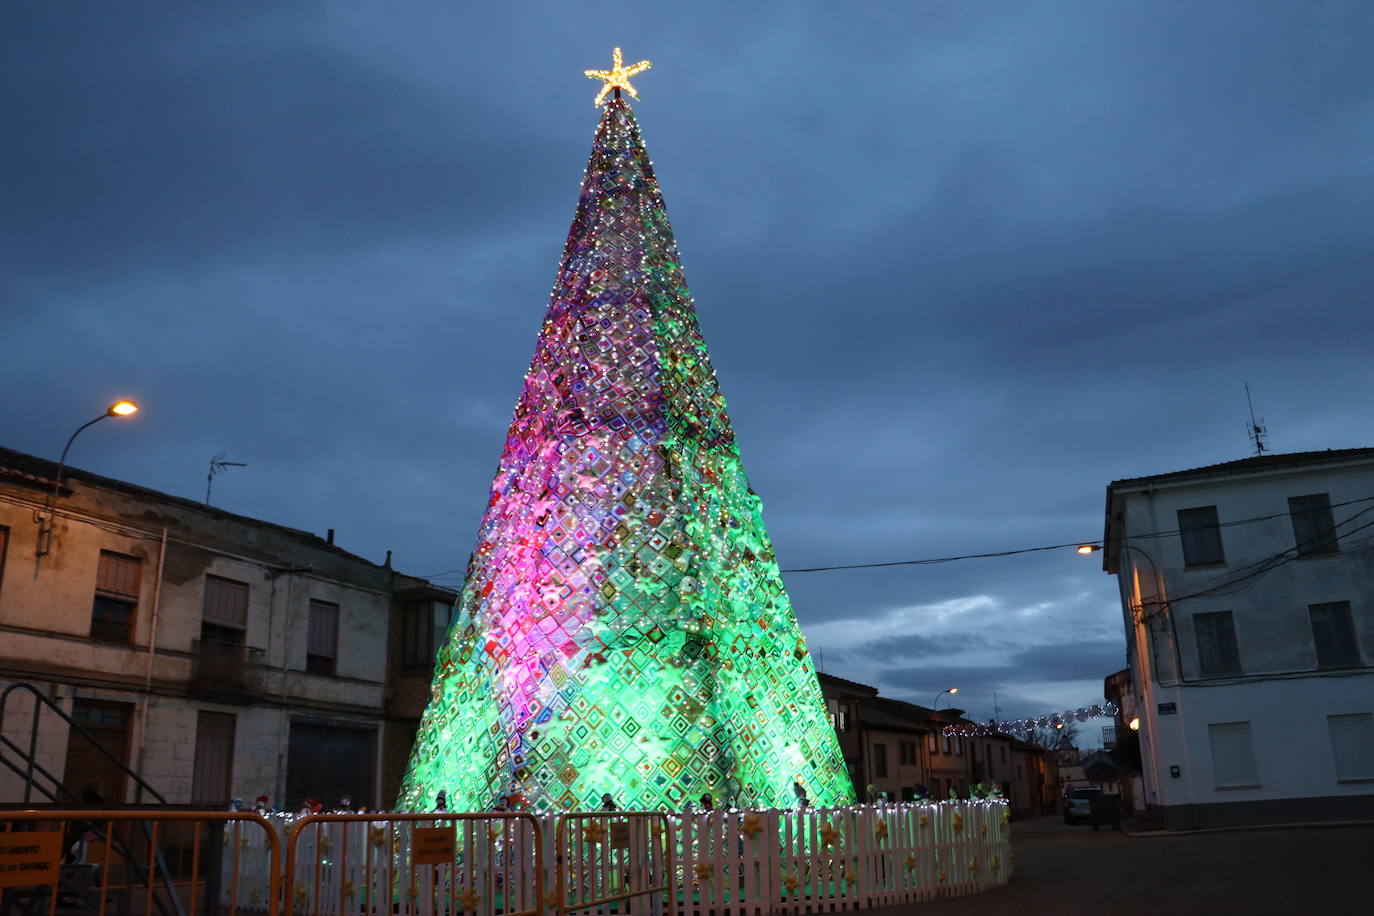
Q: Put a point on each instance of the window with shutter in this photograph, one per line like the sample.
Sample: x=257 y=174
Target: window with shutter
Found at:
x=1352 y=745
x=1233 y=755
x=114 y=607
x=224 y=615
x=322 y=640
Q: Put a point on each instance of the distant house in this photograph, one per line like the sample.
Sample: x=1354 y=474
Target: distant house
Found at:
x=211 y=654
x=899 y=748
x=1247 y=592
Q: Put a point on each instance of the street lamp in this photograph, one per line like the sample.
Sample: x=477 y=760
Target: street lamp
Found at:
x=949 y=690
x=119 y=408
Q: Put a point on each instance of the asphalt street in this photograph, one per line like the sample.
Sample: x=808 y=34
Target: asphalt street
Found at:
x=1071 y=870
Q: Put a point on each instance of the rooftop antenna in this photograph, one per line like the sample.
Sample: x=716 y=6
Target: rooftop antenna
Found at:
x=1257 y=430
x=217 y=467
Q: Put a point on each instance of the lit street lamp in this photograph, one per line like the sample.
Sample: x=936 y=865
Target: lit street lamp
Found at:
x=117 y=409
x=949 y=690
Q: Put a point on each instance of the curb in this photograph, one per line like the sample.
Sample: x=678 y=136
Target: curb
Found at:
x=1305 y=825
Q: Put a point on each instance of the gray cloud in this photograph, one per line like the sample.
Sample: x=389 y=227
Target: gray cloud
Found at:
x=1015 y=255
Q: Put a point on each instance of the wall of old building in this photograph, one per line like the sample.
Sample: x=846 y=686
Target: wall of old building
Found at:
x=46 y=639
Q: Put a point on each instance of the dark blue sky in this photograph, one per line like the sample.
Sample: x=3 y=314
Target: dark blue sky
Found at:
x=959 y=266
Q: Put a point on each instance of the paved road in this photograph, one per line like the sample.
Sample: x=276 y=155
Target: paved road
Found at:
x=1067 y=871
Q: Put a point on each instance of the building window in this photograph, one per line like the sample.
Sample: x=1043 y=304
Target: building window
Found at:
x=933 y=742
x=1352 y=744
x=879 y=759
x=906 y=752
x=424 y=626
x=322 y=640
x=1233 y=755
x=1314 y=533
x=1217 y=654
x=958 y=746
x=116 y=597
x=1004 y=753
x=224 y=615
x=1333 y=632
x=1200 y=533
x=946 y=743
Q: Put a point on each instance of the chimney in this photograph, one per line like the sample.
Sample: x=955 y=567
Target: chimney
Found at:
x=330 y=536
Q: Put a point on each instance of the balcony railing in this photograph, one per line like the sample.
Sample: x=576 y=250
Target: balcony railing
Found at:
x=1109 y=736
x=225 y=670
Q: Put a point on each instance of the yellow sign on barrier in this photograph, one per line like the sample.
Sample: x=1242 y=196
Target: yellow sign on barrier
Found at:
x=30 y=857
x=432 y=845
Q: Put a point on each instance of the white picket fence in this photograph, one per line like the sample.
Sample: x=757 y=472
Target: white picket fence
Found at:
x=722 y=863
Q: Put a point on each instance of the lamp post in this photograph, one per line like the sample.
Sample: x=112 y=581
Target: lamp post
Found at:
x=949 y=690
x=117 y=409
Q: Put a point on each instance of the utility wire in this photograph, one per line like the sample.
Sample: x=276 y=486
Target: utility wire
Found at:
x=933 y=561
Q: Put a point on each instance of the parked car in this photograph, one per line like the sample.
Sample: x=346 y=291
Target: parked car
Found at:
x=1078 y=803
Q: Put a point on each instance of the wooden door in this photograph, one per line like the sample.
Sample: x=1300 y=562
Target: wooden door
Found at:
x=89 y=772
x=212 y=777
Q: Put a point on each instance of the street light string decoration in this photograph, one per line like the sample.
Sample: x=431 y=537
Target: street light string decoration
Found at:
x=1016 y=726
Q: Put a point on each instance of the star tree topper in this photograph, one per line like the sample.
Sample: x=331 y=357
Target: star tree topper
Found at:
x=618 y=77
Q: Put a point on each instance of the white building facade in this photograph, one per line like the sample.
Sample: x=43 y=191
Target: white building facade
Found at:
x=1247 y=591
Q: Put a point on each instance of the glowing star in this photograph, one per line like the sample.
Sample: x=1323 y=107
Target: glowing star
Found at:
x=618 y=77
x=957 y=822
x=973 y=866
x=880 y=832
x=828 y=834
x=593 y=832
x=704 y=870
x=468 y=899
x=789 y=881
x=910 y=861
x=751 y=826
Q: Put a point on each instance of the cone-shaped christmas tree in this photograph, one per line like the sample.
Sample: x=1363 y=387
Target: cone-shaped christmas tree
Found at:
x=623 y=628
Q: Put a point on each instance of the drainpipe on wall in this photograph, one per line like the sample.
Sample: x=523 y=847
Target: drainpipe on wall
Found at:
x=148 y=667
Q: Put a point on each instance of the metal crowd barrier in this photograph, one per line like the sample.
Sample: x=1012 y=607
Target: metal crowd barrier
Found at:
x=168 y=863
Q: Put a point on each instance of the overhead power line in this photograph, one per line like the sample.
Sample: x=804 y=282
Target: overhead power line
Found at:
x=933 y=561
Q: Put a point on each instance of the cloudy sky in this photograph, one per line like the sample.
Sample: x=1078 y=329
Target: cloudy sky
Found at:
x=959 y=265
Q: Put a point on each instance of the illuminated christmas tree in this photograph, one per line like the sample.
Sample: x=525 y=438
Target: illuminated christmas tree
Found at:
x=623 y=626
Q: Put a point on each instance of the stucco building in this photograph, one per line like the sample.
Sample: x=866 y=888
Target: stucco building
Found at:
x=1247 y=591
x=214 y=655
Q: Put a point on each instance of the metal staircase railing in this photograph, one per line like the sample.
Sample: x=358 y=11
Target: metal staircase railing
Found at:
x=25 y=764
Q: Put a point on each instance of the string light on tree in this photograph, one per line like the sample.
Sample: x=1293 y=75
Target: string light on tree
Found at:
x=623 y=625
